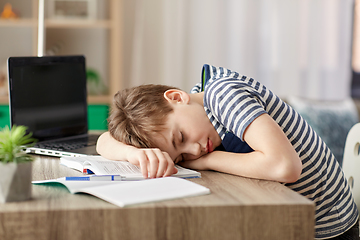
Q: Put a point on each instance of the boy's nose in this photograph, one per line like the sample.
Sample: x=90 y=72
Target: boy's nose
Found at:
x=194 y=150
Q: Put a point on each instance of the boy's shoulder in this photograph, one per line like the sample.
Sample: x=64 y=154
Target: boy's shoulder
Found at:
x=211 y=73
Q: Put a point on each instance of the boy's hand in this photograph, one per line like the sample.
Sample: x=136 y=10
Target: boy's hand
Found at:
x=152 y=161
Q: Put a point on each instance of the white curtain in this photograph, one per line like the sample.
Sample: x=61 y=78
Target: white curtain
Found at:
x=296 y=48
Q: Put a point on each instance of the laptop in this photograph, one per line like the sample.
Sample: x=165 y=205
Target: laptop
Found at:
x=49 y=96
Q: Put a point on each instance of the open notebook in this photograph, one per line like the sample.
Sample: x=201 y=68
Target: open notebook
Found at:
x=125 y=194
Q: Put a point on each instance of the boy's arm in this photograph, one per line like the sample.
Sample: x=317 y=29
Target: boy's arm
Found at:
x=152 y=161
x=273 y=158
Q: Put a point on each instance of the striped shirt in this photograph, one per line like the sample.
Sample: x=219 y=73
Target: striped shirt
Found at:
x=232 y=102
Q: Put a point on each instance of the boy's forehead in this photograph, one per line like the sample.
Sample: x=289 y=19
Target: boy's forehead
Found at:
x=162 y=138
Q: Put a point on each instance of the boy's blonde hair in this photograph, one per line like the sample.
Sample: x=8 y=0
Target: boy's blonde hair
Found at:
x=138 y=113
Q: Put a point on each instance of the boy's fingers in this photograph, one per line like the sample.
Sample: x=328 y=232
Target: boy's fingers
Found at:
x=170 y=168
x=162 y=165
x=153 y=163
x=165 y=164
x=170 y=171
x=144 y=169
x=144 y=166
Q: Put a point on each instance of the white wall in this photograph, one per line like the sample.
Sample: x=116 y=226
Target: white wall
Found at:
x=296 y=48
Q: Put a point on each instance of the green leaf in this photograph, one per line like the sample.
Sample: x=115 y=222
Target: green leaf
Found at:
x=13 y=143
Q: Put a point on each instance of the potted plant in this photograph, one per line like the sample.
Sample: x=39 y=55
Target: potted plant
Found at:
x=15 y=164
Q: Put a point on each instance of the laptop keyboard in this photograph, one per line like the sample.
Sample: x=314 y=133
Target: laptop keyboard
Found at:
x=68 y=144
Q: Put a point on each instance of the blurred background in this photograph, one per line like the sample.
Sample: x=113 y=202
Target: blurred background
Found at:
x=305 y=51
x=298 y=47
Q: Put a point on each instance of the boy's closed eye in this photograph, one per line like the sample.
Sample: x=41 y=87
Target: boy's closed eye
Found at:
x=179 y=142
x=182 y=137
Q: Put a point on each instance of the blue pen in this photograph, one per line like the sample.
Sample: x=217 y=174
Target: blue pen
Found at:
x=95 y=178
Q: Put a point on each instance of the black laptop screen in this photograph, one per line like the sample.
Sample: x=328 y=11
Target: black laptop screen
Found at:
x=48 y=95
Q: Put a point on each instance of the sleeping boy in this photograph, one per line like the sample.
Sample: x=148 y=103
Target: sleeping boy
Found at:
x=233 y=124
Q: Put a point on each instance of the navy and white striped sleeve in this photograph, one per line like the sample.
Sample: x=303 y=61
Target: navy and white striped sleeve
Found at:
x=232 y=105
x=196 y=88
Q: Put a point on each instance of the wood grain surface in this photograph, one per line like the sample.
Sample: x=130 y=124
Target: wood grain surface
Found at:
x=237 y=208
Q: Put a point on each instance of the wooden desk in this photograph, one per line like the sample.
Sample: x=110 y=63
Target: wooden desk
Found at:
x=237 y=208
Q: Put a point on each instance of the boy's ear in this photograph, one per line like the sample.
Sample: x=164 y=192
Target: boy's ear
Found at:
x=176 y=96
